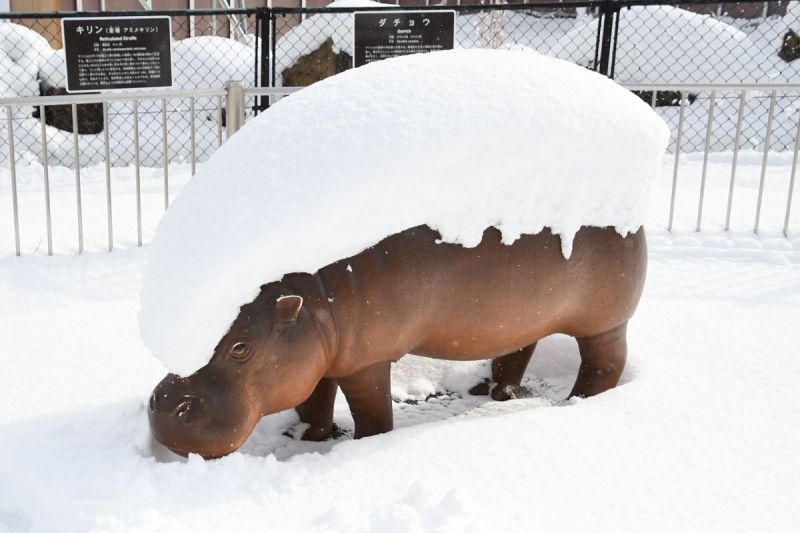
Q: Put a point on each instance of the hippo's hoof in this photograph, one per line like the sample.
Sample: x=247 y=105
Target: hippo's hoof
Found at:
x=502 y=393
x=482 y=388
x=319 y=434
x=338 y=433
x=316 y=434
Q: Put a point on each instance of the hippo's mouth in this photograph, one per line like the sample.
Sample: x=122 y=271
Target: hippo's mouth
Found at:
x=185 y=453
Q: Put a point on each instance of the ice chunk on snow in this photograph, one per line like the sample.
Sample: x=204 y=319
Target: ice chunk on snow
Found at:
x=459 y=140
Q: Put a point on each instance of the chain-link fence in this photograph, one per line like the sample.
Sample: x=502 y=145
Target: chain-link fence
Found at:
x=637 y=41
x=634 y=41
x=714 y=43
x=208 y=49
x=326 y=35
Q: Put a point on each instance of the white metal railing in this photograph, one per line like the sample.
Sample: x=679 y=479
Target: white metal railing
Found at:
x=743 y=89
x=235 y=94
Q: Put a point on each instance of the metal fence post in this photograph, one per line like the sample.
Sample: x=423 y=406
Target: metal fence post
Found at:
x=608 y=12
x=267 y=22
x=234 y=106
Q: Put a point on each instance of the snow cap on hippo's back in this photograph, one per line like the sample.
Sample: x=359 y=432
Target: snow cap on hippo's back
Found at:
x=401 y=142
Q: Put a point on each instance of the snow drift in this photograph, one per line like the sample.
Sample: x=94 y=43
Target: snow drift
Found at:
x=459 y=140
x=665 y=44
x=22 y=50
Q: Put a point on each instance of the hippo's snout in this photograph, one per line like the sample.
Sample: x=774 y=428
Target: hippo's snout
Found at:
x=196 y=415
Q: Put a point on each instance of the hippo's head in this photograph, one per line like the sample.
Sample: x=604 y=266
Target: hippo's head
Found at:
x=271 y=359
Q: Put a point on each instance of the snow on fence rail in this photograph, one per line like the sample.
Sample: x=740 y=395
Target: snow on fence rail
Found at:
x=231 y=102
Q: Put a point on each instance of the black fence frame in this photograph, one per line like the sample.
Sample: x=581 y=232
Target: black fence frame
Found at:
x=605 y=46
x=608 y=17
x=599 y=42
x=265 y=24
x=608 y=14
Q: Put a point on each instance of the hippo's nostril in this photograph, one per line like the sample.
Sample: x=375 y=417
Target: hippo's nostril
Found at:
x=183 y=407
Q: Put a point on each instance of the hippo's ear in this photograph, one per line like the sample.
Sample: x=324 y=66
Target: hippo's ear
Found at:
x=288 y=307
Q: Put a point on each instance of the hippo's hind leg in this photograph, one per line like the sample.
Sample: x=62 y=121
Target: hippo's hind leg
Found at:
x=369 y=395
x=507 y=372
x=317 y=411
x=602 y=361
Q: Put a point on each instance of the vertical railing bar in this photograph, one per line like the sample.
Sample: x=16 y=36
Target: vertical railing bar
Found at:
x=191 y=129
x=164 y=149
x=791 y=181
x=767 y=140
x=76 y=148
x=219 y=121
x=597 y=40
x=109 y=213
x=709 y=125
x=742 y=102
x=677 y=158
x=259 y=22
x=653 y=99
x=614 y=45
x=46 y=181
x=273 y=43
x=137 y=165
x=13 y=169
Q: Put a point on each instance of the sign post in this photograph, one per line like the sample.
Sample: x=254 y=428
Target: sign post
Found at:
x=383 y=34
x=117 y=53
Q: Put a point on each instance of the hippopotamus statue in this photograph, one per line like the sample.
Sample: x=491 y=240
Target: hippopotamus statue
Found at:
x=307 y=334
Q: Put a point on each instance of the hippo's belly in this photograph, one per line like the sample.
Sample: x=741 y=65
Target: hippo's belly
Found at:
x=495 y=299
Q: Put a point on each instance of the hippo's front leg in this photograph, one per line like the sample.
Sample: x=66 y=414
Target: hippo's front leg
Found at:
x=317 y=411
x=369 y=395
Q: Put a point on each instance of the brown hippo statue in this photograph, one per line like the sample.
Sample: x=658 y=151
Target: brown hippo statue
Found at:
x=307 y=334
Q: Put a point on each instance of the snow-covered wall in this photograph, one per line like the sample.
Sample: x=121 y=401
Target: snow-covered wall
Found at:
x=423 y=139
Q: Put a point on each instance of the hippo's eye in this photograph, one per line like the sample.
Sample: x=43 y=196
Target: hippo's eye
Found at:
x=240 y=350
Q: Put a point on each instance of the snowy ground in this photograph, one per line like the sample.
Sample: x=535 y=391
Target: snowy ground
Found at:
x=702 y=435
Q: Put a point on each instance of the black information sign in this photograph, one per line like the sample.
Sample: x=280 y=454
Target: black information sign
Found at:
x=117 y=53
x=383 y=34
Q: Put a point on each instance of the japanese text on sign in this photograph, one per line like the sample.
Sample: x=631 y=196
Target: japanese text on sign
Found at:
x=380 y=35
x=116 y=53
